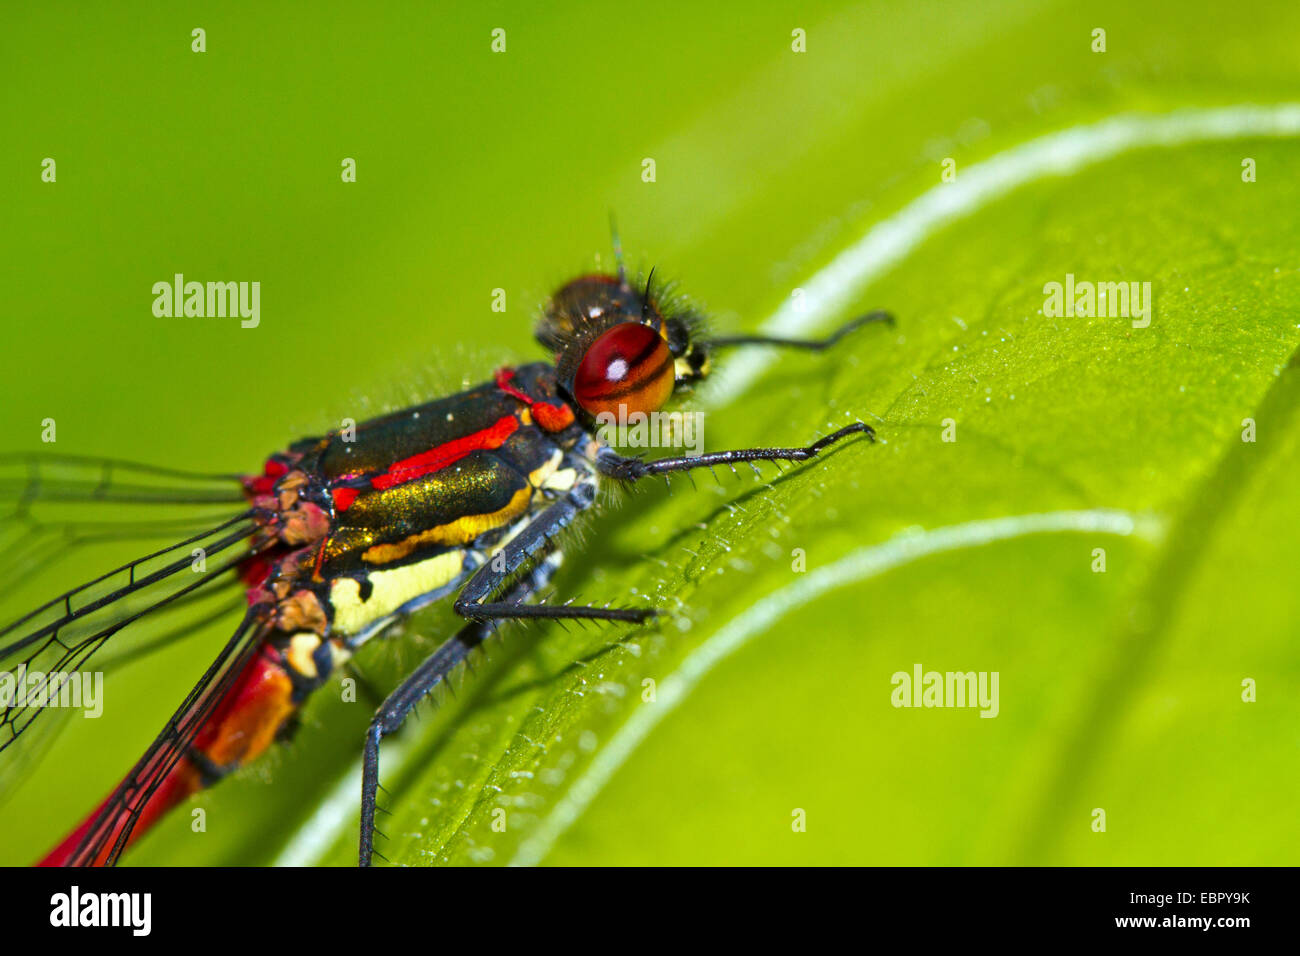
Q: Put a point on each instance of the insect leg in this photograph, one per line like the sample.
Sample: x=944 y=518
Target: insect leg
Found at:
x=630 y=469
x=394 y=710
x=536 y=536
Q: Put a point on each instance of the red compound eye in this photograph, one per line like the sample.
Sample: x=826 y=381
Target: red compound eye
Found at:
x=628 y=366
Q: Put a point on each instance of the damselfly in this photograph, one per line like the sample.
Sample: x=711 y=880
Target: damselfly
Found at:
x=342 y=535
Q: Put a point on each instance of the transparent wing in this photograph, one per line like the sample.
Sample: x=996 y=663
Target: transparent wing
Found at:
x=69 y=510
x=106 y=834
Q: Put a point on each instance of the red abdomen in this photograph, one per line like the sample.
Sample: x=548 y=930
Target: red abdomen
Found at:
x=242 y=725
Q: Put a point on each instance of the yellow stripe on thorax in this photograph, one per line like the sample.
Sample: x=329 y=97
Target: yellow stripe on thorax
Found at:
x=390 y=590
x=468 y=528
x=395 y=587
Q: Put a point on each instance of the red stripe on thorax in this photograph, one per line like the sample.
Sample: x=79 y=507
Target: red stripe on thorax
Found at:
x=343 y=497
x=435 y=459
x=551 y=418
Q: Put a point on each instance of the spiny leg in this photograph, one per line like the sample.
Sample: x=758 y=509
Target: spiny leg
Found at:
x=419 y=684
x=614 y=465
x=617 y=466
x=536 y=536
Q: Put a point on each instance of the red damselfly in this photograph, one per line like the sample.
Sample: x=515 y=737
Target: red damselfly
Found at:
x=340 y=536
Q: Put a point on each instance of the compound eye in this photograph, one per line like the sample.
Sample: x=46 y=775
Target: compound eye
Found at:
x=628 y=366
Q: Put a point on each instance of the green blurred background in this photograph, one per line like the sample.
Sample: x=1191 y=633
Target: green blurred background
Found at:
x=478 y=170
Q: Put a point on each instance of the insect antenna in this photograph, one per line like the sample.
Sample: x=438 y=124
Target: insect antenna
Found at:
x=811 y=345
x=645 y=296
